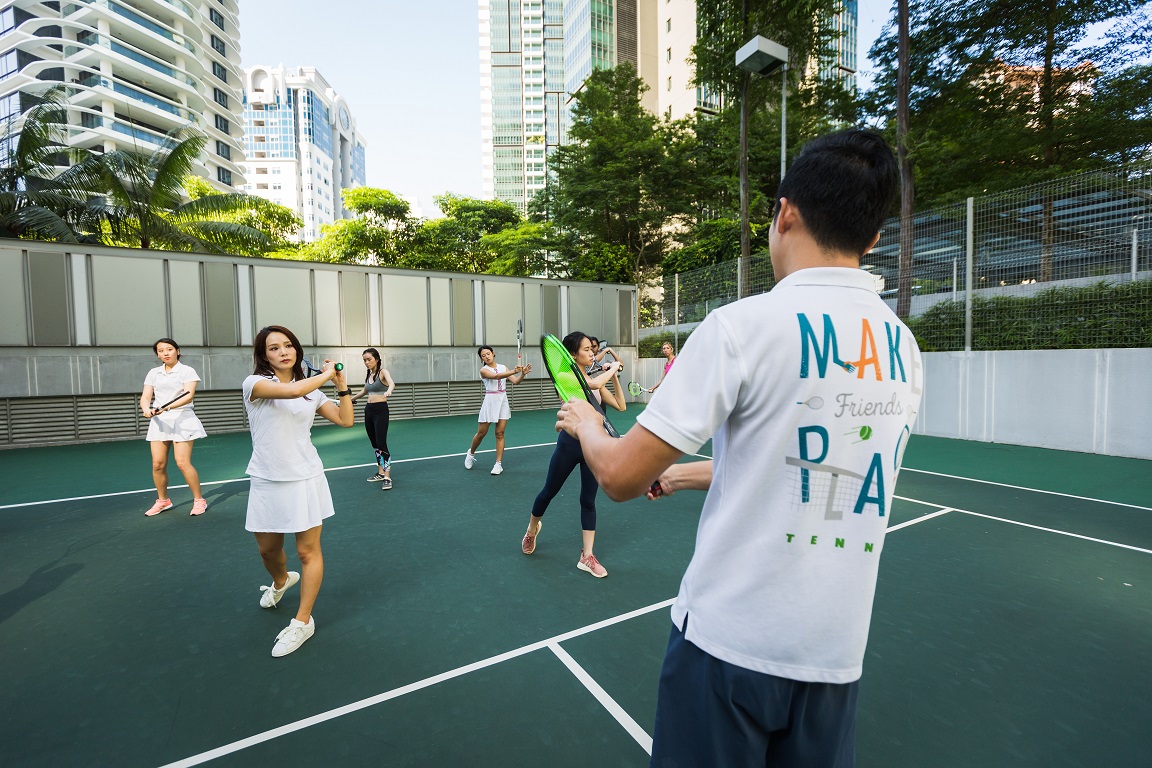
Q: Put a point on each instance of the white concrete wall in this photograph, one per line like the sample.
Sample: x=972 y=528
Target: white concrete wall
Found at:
x=1087 y=400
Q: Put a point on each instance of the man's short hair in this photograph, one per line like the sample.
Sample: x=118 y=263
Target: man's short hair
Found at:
x=842 y=185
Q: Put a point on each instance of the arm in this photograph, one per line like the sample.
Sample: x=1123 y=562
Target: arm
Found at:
x=695 y=476
x=615 y=396
x=624 y=468
x=276 y=390
x=345 y=414
x=656 y=386
x=605 y=375
x=359 y=394
x=516 y=378
x=146 y=401
x=190 y=387
x=390 y=382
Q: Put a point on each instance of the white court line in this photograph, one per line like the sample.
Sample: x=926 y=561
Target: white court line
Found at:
x=1012 y=522
x=921 y=519
x=284 y=730
x=622 y=717
x=1026 y=488
x=245 y=479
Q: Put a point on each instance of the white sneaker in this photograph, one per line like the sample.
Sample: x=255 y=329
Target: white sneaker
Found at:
x=271 y=596
x=469 y=460
x=293 y=636
x=497 y=468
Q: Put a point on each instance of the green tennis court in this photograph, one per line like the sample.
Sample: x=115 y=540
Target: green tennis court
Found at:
x=1011 y=627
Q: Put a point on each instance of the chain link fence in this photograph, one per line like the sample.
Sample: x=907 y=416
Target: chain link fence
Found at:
x=1065 y=264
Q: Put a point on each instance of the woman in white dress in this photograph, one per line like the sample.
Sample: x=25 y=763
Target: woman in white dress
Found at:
x=289 y=492
x=173 y=426
x=495 y=409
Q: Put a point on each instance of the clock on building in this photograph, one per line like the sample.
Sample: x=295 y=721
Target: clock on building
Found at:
x=345 y=120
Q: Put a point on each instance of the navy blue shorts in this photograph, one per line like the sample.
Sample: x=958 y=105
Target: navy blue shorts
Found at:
x=712 y=713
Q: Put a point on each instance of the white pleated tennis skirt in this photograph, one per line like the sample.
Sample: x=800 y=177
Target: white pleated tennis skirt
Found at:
x=179 y=426
x=288 y=506
x=495 y=408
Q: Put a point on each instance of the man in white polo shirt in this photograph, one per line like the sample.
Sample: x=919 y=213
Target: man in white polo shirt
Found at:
x=809 y=393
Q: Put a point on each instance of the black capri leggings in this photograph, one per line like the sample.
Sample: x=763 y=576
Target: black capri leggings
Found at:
x=564 y=459
x=376 y=425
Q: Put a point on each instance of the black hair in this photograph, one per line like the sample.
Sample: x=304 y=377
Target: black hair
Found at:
x=155 y=346
x=842 y=185
x=260 y=364
x=572 y=341
x=483 y=347
x=369 y=375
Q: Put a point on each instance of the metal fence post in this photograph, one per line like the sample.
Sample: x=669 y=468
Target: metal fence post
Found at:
x=676 y=318
x=969 y=252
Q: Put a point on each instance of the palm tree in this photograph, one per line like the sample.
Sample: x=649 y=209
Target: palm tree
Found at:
x=36 y=201
x=145 y=203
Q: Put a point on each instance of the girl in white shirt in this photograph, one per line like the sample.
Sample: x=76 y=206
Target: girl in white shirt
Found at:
x=174 y=426
x=494 y=409
x=289 y=492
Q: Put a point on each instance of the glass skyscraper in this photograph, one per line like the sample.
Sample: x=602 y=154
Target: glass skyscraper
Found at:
x=132 y=72
x=303 y=147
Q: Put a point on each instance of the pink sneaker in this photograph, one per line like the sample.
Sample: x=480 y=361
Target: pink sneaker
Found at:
x=528 y=544
x=159 y=506
x=199 y=506
x=592 y=565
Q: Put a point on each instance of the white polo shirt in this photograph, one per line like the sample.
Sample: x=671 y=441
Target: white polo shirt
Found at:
x=167 y=384
x=282 y=435
x=809 y=394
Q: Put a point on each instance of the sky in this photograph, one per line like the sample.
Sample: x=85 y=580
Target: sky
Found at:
x=410 y=71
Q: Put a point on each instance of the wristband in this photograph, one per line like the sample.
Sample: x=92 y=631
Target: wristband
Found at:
x=343 y=393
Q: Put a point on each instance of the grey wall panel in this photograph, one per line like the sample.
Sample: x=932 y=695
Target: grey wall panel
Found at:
x=48 y=287
x=501 y=311
x=16 y=376
x=54 y=375
x=187 y=306
x=624 y=314
x=354 y=292
x=584 y=310
x=220 y=300
x=13 y=318
x=406 y=367
x=550 y=309
x=129 y=301
x=405 y=308
x=327 y=285
x=532 y=314
x=439 y=290
x=284 y=297
x=463 y=317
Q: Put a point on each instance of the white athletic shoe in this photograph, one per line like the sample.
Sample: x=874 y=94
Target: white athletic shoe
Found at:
x=469 y=460
x=293 y=636
x=271 y=596
x=497 y=468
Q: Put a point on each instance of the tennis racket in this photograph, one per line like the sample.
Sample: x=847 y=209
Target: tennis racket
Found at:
x=519 y=340
x=568 y=378
x=311 y=370
x=635 y=389
x=159 y=408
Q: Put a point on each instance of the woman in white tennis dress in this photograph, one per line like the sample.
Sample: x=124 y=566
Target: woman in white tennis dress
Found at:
x=494 y=409
x=289 y=492
x=172 y=424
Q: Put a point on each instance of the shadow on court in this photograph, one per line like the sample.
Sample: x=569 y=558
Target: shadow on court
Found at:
x=133 y=641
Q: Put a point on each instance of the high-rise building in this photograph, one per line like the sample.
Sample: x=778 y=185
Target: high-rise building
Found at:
x=534 y=55
x=133 y=70
x=302 y=144
x=676 y=31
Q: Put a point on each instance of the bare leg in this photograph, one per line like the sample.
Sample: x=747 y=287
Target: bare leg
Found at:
x=500 y=439
x=311 y=570
x=589 y=539
x=272 y=554
x=481 y=433
x=160 y=466
x=183 y=453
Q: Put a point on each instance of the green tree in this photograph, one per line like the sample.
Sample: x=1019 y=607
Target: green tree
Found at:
x=455 y=241
x=278 y=222
x=145 y=207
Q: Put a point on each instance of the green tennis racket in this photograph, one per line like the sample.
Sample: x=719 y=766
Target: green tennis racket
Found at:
x=634 y=388
x=568 y=378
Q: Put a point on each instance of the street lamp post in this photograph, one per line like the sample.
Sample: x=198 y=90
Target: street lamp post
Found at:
x=759 y=56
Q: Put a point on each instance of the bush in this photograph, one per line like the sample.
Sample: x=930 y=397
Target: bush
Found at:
x=650 y=345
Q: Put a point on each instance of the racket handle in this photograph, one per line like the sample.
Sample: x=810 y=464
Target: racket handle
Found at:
x=655 y=489
x=339 y=366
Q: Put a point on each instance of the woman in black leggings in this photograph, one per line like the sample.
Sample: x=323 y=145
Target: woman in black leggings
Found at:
x=568 y=455
x=378 y=385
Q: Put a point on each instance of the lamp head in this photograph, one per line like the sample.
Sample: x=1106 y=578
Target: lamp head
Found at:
x=761 y=56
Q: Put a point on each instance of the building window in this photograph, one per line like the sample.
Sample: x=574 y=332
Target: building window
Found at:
x=219 y=70
x=216 y=17
x=223 y=125
x=669 y=84
x=669 y=54
x=224 y=176
x=218 y=46
x=223 y=150
x=220 y=97
x=669 y=25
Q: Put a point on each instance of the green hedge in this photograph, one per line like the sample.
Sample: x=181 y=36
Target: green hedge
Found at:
x=650 y=345
x=1097 y=316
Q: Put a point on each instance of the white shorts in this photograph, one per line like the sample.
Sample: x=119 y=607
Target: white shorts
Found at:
x=288 y=506
x=179 y=426
x=495 y=408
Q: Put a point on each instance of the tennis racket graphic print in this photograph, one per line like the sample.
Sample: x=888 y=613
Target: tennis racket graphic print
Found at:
x=568 y=378
x=519 y=341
